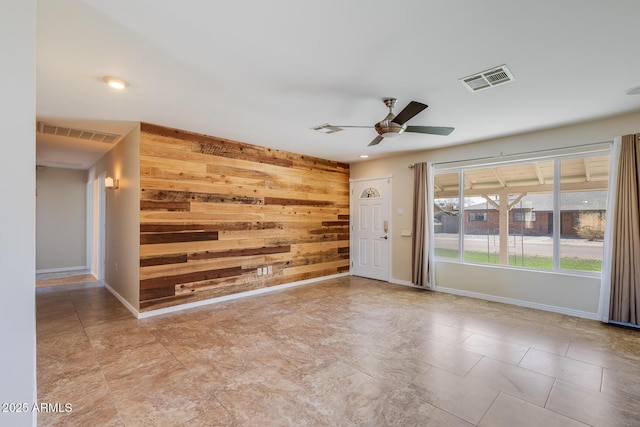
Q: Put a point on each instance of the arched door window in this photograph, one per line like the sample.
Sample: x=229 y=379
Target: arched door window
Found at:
x=369 y=193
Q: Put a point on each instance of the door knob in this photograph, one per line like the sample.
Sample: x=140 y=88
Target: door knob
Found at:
x=384 y=237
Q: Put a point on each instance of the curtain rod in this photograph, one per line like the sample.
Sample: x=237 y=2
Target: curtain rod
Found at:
x=414 y=165
x=502 y=156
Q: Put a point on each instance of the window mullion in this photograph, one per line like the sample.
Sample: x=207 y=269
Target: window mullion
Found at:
x=557 y=223
x=461 y=214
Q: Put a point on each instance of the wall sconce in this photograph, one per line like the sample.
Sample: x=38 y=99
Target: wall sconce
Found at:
x=111 y=184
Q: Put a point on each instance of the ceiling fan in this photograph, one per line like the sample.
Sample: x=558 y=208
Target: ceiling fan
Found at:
x=393 y=125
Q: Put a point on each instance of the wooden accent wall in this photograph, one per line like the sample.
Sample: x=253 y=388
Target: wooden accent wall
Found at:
x=213 y=211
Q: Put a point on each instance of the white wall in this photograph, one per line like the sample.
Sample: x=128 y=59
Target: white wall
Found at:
x=61 y=212
x=496 y=283
x=17 y=186
x=564 y=293
x=122 y=256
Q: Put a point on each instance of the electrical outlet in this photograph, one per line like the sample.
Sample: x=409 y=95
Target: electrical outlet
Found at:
x=259 y=271
x=270 y=269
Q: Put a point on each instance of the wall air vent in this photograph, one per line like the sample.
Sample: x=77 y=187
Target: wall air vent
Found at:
x=486 y=79
x=88 y=135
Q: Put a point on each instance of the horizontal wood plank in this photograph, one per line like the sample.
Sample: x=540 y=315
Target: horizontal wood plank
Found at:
x=159 y=205
x=163 y=260
x=156 y=293
x=188 y=196
x=297 y=202
x=193 y=236
x=164 y=281
x=229 y=253
x=168 y=228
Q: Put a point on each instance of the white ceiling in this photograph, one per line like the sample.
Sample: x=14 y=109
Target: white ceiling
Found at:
x=265 y=72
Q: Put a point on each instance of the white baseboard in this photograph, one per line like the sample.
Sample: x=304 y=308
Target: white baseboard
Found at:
x=628 y=325
x=403 y=283
x=120 y=298
x=409 y=284
x=538 y=306
x=142 y=315
x=61 y=269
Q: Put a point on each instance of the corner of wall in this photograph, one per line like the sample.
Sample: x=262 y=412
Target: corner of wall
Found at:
x=122 y=219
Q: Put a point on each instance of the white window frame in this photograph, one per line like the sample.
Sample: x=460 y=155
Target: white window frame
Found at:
x=585 y=151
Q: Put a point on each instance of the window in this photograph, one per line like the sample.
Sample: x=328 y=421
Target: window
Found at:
x=515 y=213
x=583 y=213
x=446 y=219
x=575 y=221
x=369 y=193
x=477 y=216
x=524 y=216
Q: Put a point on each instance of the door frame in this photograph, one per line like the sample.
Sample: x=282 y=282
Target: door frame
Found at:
x=388 y=201
x=98 y=227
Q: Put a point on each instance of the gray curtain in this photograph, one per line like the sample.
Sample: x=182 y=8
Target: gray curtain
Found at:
x=419 y=265
x=625 y=265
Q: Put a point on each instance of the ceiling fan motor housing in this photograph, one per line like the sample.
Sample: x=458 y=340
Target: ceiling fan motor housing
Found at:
x=388 y=128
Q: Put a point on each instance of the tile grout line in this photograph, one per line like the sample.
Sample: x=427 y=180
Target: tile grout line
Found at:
x=558 y=413
x=489 y=407
x=93 y=353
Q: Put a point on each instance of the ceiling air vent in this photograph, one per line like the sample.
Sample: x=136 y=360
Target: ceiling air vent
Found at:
x=89 y=135
x=486 y=79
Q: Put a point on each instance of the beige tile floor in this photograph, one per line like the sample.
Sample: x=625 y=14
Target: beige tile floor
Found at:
x=344 y=352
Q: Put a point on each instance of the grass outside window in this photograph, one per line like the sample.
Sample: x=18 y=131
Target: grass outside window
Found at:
x=528 y=261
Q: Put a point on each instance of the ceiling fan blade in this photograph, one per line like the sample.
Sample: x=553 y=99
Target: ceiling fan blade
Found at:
x=359 y=127
x=376 y=141
x=433 y=130
x=409 y=111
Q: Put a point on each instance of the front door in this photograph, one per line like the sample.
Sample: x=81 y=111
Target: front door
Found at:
x=370 y=205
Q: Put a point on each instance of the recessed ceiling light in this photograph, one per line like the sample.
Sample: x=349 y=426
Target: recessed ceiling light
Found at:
x=115 y=82
x=634 y=91
x=363 y=156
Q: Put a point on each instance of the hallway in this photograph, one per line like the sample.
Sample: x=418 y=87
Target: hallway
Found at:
x=64 y=278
